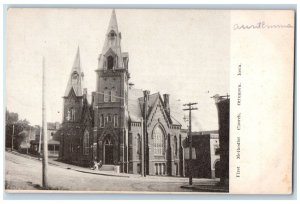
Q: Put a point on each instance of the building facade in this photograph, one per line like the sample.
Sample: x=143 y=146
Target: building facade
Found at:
x=117 y=124
x=223 y=107
x=205 y=155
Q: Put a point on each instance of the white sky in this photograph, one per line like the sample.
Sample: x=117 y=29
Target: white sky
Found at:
x=185 y=53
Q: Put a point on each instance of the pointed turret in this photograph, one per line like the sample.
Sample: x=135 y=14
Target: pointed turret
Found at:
x=76 y=77
x=112 y=57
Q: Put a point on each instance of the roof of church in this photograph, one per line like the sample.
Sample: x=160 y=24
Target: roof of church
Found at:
x=177 y=114
x=77 y=87
x=135 y=107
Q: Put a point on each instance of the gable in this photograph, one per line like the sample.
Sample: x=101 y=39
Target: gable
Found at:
x=158 y=113
x=87 y=113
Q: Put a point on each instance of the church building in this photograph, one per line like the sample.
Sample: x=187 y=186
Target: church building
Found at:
x=122 y=126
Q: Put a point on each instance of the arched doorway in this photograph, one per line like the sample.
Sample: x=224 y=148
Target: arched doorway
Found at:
x=217 y=169
x=108 y=150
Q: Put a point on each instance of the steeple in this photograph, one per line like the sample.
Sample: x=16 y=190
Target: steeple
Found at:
x=112 y=56
x=113 y=24
x=76 y=77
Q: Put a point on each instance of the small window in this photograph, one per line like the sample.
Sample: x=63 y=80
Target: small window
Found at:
x=106 y=120
x=112 y=34
x=73 y=114
x=110 y=62
x=106 y=95
x=86 y=145
x=101 y=120
x=113 y=95
x=116 y=120
x=109 y=118
x=139 y=145
x=175 y=145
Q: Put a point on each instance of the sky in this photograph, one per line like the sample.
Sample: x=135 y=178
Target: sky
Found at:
x=185 y=53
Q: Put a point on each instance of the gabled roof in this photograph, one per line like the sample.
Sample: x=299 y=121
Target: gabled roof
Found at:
x=136 y=103
x=77 y=87
x=177 y=114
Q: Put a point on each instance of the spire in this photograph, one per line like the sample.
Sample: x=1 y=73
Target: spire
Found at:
x=76 y=77
x=112 y=44
x=113 y=24
x=76 y=64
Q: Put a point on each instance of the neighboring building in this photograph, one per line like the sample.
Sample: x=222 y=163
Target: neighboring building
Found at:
x=53 y=140
x=205 y=155
x=24 y=138
x=223 y=107
x=109 y=125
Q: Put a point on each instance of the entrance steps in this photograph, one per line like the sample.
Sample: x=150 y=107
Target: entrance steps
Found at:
x=106 y=167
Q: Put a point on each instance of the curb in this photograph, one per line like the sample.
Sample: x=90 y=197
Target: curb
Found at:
x=206 y=188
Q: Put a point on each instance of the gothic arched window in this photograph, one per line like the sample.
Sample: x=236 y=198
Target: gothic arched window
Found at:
x=116 y=120
x=101 y=120
x=110 y=62
x=113 y=94
x=139 y=145
x=106 y=95
x=86 y=142
x=158 y=141
x=175 y=145
x=72 y=114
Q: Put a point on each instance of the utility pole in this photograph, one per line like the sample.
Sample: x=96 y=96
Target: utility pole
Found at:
x=44 y=126
x=40 y=141
x=12 y=137
x=142 y=151
x=145 y=142
x=190 y=108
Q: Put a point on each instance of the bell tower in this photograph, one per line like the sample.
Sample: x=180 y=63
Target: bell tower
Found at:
x=74 y=93
x=111 y=99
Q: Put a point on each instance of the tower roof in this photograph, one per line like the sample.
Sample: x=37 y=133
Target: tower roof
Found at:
x=113 y=24
x=112 y=43
x=76 y=77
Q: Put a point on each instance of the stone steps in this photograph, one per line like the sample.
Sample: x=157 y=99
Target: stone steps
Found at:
x=106 y=167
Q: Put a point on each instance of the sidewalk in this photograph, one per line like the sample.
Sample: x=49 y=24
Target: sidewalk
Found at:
x=213 y=187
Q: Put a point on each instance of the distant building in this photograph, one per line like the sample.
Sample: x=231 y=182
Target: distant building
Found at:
x=24 y=138
x=53 y=140
x=108 y=125
x=205 y=155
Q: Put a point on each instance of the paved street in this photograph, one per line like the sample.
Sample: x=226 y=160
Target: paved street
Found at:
x=26 y=173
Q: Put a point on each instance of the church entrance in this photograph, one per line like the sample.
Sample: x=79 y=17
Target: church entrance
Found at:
x=108 y=151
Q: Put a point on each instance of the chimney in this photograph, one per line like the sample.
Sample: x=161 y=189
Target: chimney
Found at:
x=167 y=103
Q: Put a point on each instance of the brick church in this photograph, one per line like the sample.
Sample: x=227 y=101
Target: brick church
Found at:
x=118 y=124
